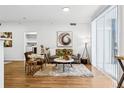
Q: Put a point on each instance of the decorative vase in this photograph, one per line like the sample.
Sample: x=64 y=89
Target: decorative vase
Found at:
x=66 y=57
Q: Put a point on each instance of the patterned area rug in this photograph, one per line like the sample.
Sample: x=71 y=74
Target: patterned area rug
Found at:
x=75 y=70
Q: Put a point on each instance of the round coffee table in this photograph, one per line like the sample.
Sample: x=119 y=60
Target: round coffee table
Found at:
x=63 y=61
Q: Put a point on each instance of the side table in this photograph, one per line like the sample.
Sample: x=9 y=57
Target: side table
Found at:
x=83 y=60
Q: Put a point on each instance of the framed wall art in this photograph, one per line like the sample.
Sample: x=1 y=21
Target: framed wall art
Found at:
x=8 y=38
x=64 y=39
x=8 y=43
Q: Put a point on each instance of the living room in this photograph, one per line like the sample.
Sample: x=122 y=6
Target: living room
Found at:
x=67 y=34
x=43 y=31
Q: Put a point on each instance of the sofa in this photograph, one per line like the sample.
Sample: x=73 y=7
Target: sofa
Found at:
x=60 y=52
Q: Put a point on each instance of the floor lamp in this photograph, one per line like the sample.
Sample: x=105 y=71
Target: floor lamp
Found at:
x=85 y=52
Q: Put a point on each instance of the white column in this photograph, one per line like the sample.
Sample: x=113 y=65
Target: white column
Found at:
x=1 y=64
x=121 y=30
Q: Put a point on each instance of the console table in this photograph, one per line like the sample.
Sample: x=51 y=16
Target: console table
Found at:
x=120 y=58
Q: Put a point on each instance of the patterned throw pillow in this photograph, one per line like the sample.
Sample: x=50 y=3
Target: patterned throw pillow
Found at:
x=61 y=52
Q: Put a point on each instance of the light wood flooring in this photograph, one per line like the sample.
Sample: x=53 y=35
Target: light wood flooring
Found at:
x=15 y=77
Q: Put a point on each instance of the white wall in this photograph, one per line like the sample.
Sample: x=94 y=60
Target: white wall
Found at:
x=16 y=51
x=121 y=35
x=46 y=36
x=1 y=64
x=122 y=31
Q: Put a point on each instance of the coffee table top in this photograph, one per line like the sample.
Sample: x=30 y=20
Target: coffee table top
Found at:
x=63 y=60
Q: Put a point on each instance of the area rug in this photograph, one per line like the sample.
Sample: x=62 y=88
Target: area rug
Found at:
x=75 y=70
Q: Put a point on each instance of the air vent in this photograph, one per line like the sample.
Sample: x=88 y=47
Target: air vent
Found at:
x=73 y=24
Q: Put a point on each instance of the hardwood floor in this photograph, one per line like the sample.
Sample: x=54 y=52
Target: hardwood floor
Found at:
x=15 y=78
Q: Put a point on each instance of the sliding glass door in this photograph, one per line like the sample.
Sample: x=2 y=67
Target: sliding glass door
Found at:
x=100 y=43
x=110 y=42
x=106 y=41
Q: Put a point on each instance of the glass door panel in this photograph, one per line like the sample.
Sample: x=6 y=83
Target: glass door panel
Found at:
x=100 y=43
x=107 y=42
x=110 y=43
x=114 y=43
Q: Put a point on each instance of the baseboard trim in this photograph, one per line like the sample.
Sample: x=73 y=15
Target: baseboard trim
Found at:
x=14 y=60
x=7 y=62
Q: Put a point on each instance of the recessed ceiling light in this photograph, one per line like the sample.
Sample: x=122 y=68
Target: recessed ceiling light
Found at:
x=66 y=9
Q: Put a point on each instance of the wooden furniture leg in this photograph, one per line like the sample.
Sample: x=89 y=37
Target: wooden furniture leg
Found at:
x=121 y=81
x=122 y=77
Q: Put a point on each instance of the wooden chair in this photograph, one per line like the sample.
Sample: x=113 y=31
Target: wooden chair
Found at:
x=30 y=65
x=40 y=62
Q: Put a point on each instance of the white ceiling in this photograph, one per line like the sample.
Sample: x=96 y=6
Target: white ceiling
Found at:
x=48 y=13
